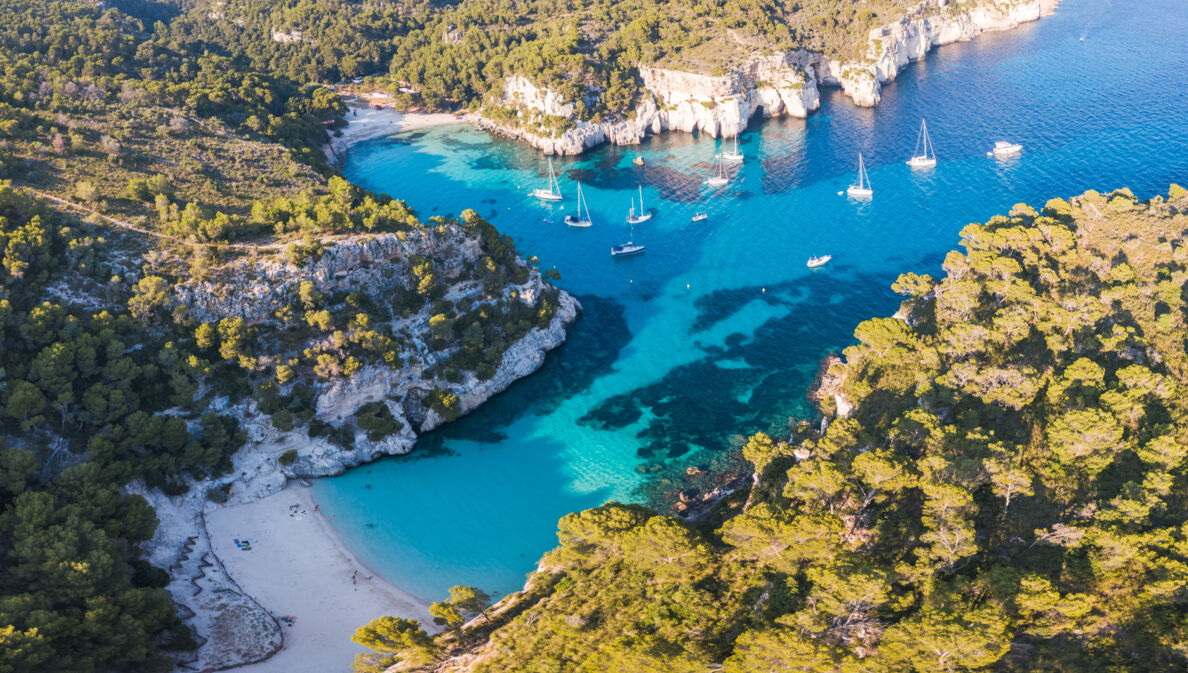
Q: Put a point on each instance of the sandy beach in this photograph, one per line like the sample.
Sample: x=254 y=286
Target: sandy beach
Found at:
x=365 y=122
x=296 y=566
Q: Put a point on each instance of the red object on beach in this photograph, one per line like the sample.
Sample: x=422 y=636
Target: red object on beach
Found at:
x=378 y=107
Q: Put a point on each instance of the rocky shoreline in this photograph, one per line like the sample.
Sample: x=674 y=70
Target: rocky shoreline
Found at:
x=233 y=628
x=785 y=83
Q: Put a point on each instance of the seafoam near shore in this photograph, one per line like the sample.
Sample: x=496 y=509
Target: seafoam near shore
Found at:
x=283 y=550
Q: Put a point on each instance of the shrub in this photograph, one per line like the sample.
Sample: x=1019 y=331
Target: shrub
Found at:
x=219 y=493
x=283 y=420
x=288 y=457
x=377 y=420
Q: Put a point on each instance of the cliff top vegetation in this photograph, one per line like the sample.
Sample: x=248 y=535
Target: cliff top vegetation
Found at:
x=457 y=53
x=1007 y=492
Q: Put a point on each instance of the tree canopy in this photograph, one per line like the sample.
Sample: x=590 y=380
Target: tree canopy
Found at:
x=1008 y=492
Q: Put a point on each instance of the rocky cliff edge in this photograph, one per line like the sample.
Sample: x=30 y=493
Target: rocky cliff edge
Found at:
x=785 y=83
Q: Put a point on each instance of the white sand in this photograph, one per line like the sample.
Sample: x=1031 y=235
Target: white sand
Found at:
x=298 y=567
x=365 y=123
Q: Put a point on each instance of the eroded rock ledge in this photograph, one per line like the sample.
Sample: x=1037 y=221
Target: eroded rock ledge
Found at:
x=785 y=83
x=233 y=628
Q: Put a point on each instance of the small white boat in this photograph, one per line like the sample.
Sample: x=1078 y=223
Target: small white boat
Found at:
x=639 y=161
x=814 y=262
x=734 y=157
x=927 y=159
x=644 y=214
x=577 y=220
x=719 y=177
x=697 y=217
x=553 y=192
x=628 y=248
x=862 y=190
x=1002 y=148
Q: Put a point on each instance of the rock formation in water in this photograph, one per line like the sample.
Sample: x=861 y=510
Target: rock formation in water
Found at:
x=770 y=85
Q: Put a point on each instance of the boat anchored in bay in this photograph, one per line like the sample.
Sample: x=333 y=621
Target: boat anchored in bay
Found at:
x=862 y=190
x=814 y=262
x=719 y=177
x=553 y=192
x=1003 y=148
x=644 y=214
x=577 y=220
x=734 y=156
x=927 y=159
x=628 y=248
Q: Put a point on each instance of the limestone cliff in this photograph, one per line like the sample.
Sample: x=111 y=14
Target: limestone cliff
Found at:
x=379 y=266
x=233 y=628
x=771 y=85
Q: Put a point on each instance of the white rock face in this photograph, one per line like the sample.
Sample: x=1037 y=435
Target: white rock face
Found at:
x=774 y=85
x=238 y=631
x=930 y=24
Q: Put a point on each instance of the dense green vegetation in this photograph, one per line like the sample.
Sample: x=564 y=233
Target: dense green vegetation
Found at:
x=105 y=379
x=1008 y=491
x=459 y=52
x=93 y=104
x=311 y=336
x=83 y=396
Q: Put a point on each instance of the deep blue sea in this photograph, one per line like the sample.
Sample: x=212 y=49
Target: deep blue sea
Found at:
x=717 y=330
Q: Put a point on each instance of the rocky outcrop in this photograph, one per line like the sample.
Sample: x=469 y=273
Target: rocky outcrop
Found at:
x=234 y=629
x=377 y=265
x=783 y=84
x=254 y=288
x=769 y=85
x=927 y=25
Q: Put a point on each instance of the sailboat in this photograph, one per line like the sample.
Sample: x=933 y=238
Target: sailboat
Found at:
x=734 y=156
x=553 y=193
x=644 y=214
x=814 y=262
x=862 y=190
x=577 y=220
x=719 y=178
x=928 y=158
x=628 y=248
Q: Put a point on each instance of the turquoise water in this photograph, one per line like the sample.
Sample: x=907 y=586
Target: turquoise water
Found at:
x=716 y=331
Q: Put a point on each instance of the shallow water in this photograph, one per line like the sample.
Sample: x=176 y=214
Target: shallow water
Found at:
x=716 y=331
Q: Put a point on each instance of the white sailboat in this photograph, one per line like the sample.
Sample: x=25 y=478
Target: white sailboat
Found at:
x=719 y=177
x=734 y=157
x=644 y=214
x=862 y=190
x=628 y=248
x=814 y=262
x=553 y=193
x=577 y=220
x=927 y=159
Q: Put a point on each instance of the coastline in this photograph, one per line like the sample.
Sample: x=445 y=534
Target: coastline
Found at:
x=365 y=123
x=772 y=85
x=232 y=598
x=297 y=566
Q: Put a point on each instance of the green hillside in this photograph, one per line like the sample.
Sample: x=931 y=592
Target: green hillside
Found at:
x=1008 y=491
x=454 y=53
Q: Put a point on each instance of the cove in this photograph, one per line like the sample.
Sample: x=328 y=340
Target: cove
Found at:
x=716 y=331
